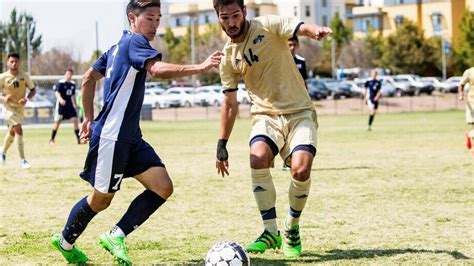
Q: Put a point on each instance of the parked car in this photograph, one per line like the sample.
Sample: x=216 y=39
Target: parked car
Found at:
x=356 y=89
x=317 y=90
x=402 y=87
x=242 y=94
x=39 y=101
x=154 y=85
x=433 y=81
x=387 y=90
x=451 y=84
x=180 y=96
x=333 y=87
x=416 y=84
x=208 y=95
x=156 y=99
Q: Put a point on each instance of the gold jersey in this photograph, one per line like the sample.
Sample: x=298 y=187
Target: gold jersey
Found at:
x=468 y=77
x=16 y=86
x=267 y=67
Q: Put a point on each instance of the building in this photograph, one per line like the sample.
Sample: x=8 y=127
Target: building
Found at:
x=434 y=17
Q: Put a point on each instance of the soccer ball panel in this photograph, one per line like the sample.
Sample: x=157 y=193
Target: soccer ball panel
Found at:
x=227 y=253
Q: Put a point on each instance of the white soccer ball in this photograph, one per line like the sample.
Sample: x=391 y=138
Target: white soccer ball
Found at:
x=227 y=253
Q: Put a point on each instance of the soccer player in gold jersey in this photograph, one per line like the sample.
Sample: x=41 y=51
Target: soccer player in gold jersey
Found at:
x=468 y=78
x=13 y=84
x=283 y=116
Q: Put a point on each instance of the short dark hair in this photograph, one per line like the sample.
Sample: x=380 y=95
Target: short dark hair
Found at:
x=69 y=70
x=220 y=3
x=138 y=6
x=14 y=55
x=294 y=38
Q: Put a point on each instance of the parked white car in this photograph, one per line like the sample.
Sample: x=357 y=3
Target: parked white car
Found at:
x=180 y=96
x=451 y=84
x=433 y=81
x=39 y=101
x=154 y=85
x=156 y=99
x=242 y=94
x=209 y=95
x=402 y=87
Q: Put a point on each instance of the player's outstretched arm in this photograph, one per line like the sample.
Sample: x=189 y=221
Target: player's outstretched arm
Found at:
x=314 y=31
x=87 y=90
x=228 y=114
x=159 y=69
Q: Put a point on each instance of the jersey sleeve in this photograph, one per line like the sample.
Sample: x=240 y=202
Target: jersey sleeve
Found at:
x=284 y=27
x=56 y=86
x=379 y=85
x=29 y=84
x=141 y=51
x=303 y=70
x=366 y=85
x=229 y=79
x=101 y=64
x=465 y=78
x=73 y=90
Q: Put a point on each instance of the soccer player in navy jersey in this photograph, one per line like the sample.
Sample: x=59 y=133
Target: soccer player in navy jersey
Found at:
x=117 y=149
x=372 y=96
x=66 y=105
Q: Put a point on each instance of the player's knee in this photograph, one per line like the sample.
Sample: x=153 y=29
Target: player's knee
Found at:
x=99 y=204
x=300 y=172
x=260 y=161
x=164 y=188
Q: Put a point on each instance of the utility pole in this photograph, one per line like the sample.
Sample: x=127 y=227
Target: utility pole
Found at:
x=333 y=58
x=193 y=46
x=28 y=46
x=96 y=40
x=443 y=57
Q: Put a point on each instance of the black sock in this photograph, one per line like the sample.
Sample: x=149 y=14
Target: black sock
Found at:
x=76 y=131
x=139 y=210
x=371 y=119
x=80 y=216
x=53 y=134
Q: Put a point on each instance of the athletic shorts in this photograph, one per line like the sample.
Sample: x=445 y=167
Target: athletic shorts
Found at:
x=287 y=132
x=14 y=115
x=64 y=112
x=109 y=161
x=374 y=105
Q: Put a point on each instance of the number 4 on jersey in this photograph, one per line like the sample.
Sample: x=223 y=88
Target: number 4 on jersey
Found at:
x=253 y=57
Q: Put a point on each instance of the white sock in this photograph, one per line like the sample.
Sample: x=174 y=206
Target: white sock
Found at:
x=64 y=244
x=117 y=232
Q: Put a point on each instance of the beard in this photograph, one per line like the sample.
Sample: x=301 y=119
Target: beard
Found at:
x=236 y=34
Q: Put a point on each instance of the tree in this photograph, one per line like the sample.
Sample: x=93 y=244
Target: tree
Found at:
x=464 y=52
x=54 y=62
x=375 y=46
x=409 y=51
x=16 y=32
x=340 y=32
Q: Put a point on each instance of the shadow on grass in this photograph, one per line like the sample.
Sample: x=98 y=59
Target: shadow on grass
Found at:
x=353 y=254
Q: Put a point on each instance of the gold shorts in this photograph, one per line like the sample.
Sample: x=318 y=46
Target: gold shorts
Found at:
x=470 y=111
x=287 y=131
x=14 y=116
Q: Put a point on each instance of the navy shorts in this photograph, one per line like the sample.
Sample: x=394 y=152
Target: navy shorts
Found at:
x=64 y=112
x=373 y=104
x=109 y=161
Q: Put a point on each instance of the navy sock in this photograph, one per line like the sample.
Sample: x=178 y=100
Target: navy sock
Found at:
x=371 y=119
x=139 y=210
x=53 y=134
x=80 y=216
x=76 y=132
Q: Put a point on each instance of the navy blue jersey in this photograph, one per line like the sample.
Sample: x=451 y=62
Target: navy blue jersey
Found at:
x=373 y=87
x=66 y=90
x=301 y=64
x=123 y=67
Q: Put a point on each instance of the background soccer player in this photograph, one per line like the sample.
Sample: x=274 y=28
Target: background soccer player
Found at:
x=117 y=149
x=294 y=45
x=284 y=118
x=66 y=105
x=468 y=78
x=13 y=84
x=372 y=96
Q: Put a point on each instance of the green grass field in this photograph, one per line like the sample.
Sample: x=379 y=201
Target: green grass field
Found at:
x=403 y=193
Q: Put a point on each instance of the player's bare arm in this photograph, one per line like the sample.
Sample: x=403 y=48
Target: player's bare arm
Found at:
x=31 y=93
x=6 y=98
x=60 y=99
x=461 y=92
x=314 y=31
x=159 y=69
x=88 y=88
x=74 y=101
x=228 y=114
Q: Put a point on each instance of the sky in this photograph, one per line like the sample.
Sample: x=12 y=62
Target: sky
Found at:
x=70 y=24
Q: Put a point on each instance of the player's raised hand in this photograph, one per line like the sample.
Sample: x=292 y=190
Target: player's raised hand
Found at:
x=22 y=102
x=222 y=163
x=7 y=98
x=212 y=61
x=85 y=132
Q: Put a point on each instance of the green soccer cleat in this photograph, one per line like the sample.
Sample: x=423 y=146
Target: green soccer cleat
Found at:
x=116 y=247
x=265 y=241
x=73 y=256
x=292 y=244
